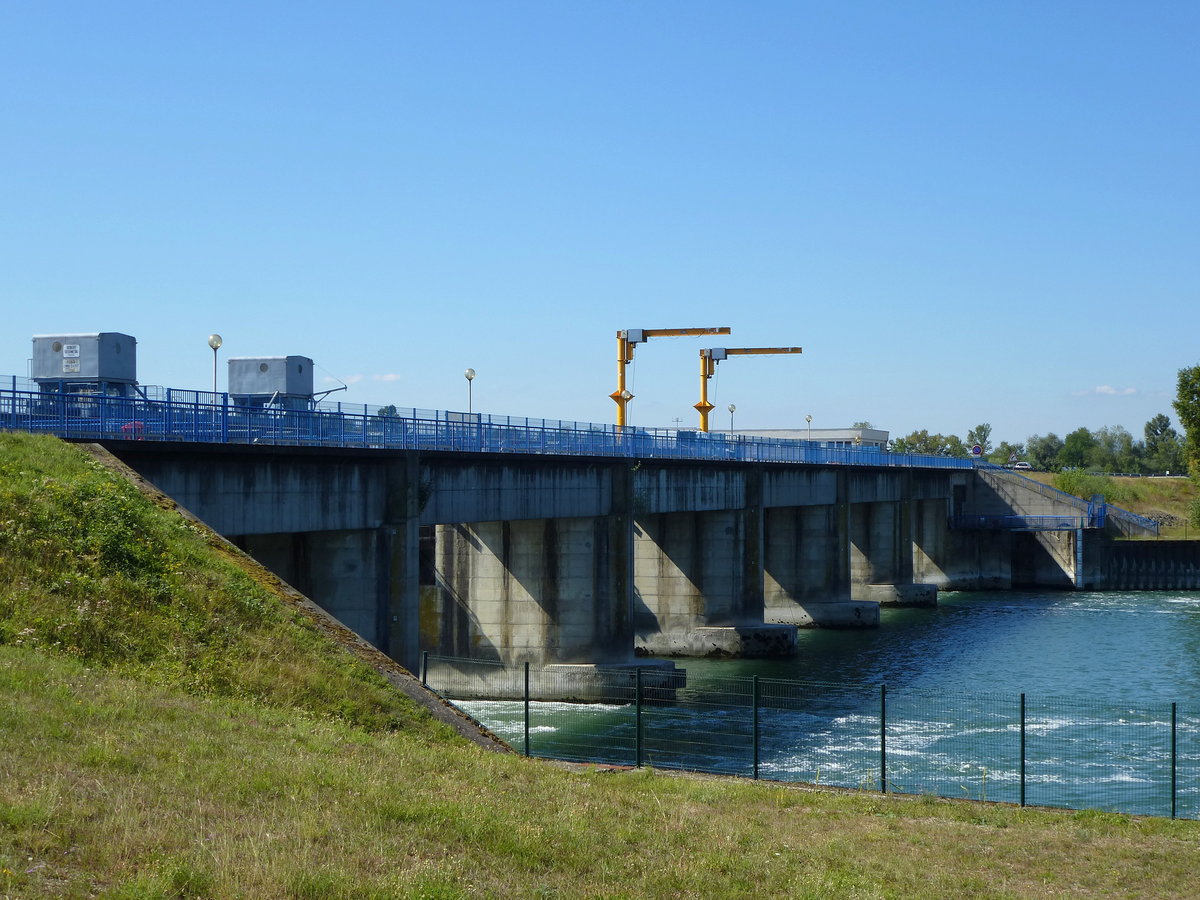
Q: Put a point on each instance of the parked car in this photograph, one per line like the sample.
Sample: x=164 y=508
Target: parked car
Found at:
x=1023 y=466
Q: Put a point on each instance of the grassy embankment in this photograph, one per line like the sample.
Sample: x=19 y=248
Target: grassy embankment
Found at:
x=1168 y=501
x=171 y=726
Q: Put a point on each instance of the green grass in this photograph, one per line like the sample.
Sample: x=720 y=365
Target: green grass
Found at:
x=175 y=728
x=113 y=787
x=91 y=568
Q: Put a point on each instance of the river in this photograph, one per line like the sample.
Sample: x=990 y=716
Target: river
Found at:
x=1099 y=670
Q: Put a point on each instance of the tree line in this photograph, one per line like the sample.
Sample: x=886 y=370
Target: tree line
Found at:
x=1113 y=449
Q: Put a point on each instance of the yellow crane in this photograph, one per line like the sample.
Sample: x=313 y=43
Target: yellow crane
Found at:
x=708 y=365
x=627 y=340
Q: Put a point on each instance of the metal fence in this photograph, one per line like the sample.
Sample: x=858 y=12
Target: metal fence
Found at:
x=165 y=414
x=1026 y=523
x=1026 y=750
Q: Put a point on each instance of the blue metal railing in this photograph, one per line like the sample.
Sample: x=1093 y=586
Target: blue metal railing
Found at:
x=169 y=414
x=1026 y=523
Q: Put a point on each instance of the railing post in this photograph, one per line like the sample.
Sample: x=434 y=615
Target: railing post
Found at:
x=883 y=738
x=637 y=705
x=1022 y=749
x=424 y=668
x=754 y=698
x=527 y=707
x=1174 y=757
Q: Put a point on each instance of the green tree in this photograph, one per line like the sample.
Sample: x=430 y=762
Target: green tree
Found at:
x=1187 y=407
x=387 y=412
x=864 y=425
x=981 y=435
x=1164 y=446
x=1077 y=449
x=930 y=444
x=1006 y=452
x=1114 y=451
x=1042 y=452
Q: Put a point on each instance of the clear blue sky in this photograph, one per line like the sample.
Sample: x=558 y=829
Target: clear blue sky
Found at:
x=962 y=212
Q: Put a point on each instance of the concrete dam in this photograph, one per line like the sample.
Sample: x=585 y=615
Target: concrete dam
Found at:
x=517 y=541
x=594 y=561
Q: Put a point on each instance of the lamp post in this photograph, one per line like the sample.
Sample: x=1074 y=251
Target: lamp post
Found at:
x=214 y=341
x=808 y=419
x=732 y=410
x=470 y=376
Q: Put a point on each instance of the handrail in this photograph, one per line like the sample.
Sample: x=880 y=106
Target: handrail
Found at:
x=158 y=414
x=1132 y=521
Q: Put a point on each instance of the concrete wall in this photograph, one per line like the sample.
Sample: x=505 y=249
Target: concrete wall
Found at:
x=486 y=488
x=538 y=590
x=339 y=525
x=1003 y=493
x=249 y=490
x=667 y=486
x=1140 y=565
x=342 y=568
x=806 y=569
x=1044 y=559
x=583 y=560
x=696 y=569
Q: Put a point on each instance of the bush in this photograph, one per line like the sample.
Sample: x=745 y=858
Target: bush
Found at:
x=1086 y=484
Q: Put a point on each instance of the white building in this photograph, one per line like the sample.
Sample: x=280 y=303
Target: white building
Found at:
x=826 y=437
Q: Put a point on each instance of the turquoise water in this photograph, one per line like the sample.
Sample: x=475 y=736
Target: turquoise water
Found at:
x=1099 y=671
x=1130 y=646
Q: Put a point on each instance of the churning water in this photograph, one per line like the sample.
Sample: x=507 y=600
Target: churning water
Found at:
x=1099 y=671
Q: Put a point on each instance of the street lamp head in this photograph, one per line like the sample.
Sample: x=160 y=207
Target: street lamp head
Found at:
x=808 y=419
x=214 y=341
x=469 y=374
x=732 y=409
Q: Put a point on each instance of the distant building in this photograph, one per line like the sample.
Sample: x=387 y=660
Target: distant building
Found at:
x=826 y=437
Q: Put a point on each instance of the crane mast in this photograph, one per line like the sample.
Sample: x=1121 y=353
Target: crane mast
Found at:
x=630 y=338
x=708 y=365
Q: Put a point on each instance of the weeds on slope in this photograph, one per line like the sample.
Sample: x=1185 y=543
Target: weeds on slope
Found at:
x=91 y=568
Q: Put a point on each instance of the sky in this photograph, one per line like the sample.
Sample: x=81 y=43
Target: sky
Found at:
x=964 y=213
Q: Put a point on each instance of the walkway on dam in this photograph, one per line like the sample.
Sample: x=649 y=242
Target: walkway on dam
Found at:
x=165 y=414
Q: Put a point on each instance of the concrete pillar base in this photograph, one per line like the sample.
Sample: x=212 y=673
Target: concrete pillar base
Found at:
x=830 y=614
x=900 y=594
x=561 y=682
x=722 y=641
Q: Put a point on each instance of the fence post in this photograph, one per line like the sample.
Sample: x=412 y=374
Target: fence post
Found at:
x=883 y=738
x=424 y=668
x=1022 y=749
x=527 y=707
x=1174 y=757
x=637 y=706
x=754 y=695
